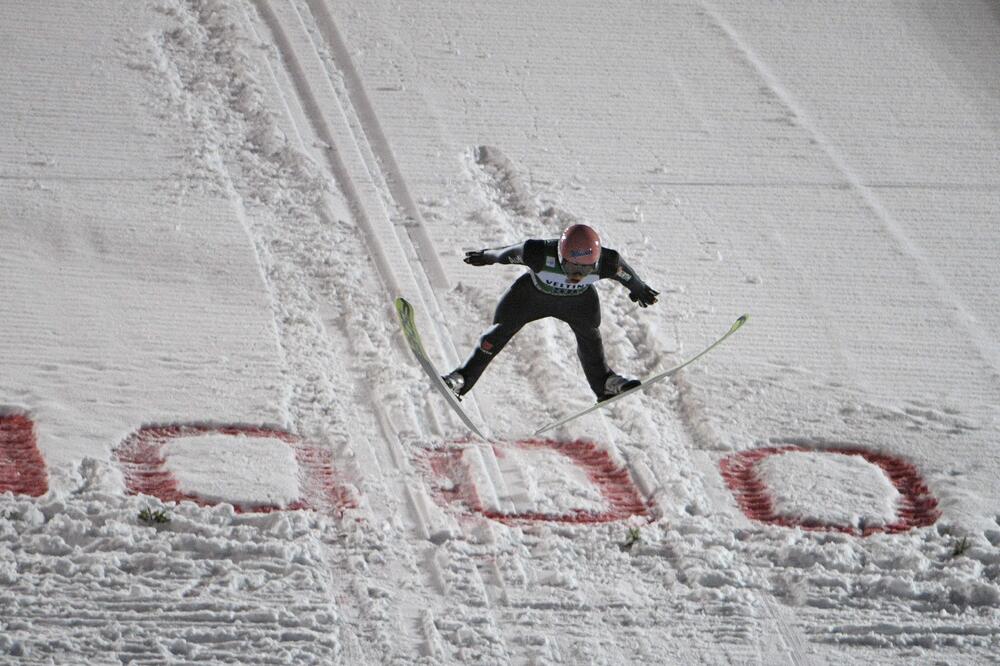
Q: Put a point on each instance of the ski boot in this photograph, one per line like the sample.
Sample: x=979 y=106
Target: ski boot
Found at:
x=616 y=384
x=454 y=381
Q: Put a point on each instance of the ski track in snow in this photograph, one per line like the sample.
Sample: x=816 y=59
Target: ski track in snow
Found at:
x=347 y=144
x=286 y=124
x=984 y=341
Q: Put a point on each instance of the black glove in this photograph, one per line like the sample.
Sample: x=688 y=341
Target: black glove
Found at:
x=477 y=258
x=644 y=296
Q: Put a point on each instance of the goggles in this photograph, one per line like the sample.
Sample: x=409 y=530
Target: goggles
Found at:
x=578 y=269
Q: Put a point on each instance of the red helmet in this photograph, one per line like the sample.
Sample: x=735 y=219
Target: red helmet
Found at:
x=579 y=244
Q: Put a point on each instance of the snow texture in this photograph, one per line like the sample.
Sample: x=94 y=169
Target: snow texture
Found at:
x=829 y=489
x=207 y=208
x=242 y=470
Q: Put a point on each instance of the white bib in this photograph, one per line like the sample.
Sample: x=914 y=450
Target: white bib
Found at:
x=557 y=284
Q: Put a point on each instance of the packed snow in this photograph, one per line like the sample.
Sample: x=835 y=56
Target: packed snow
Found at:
x=246 y=471
x=215 y=445
x=829 y=489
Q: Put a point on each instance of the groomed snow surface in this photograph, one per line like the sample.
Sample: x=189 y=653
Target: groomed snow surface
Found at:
x=215 y=446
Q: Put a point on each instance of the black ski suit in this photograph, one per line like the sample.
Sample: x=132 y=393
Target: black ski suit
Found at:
x=545 y=292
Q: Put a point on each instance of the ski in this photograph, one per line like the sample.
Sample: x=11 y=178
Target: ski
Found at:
x=407 y=320
x=647 y=382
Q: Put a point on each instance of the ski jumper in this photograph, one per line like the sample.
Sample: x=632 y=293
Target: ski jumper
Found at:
x=545 y=291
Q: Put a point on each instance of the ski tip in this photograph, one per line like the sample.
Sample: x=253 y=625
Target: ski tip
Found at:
x=742 y=320
x=403 y=306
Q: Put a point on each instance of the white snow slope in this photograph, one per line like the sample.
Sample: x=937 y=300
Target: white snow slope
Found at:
x=208 y=206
